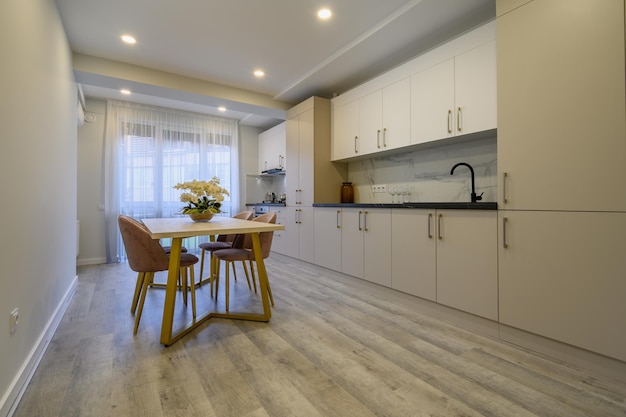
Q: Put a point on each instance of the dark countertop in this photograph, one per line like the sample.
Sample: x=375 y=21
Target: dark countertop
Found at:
x=266 y=204
x=434 y=205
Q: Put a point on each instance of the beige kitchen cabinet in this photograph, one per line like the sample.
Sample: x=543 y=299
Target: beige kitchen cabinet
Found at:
x=413 y=252
x=455 y=97
x=561 y=107
x=563 y=276
x=312 y=177
x=278 y=242
x=384 y=118
x=447 y=256
x=328 y=237
x=365 y=248
x=467 y=261
x=346 y=131
x=376 y=122
x=272 y=148
x=300 y=233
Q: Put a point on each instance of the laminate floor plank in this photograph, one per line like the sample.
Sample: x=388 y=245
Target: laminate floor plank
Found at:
x=336 y=346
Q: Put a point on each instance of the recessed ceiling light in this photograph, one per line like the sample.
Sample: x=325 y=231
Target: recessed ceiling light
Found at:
x=125 y=91
x=221 y=108
x=259 y=73
x=324 y=14
x=129 y=39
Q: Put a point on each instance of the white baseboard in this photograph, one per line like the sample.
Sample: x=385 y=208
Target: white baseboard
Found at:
x=11 y=399
x=90 y=261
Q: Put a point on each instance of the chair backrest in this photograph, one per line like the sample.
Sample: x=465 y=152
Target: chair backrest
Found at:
x=264 y=237
x=144 y=253
x=243 y=215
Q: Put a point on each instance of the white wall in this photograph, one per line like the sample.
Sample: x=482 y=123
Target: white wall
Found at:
x=37 y=183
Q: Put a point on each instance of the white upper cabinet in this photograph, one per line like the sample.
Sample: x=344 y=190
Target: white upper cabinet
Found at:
x=272 y=148
x=449 y=91
x=455 y=97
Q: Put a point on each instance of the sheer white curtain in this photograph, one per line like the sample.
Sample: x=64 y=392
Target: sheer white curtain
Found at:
x=149 y=149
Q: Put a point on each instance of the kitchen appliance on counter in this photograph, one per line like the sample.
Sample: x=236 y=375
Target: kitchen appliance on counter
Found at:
x=270 y=198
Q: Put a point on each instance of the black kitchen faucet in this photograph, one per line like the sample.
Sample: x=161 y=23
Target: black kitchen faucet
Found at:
x=475 y=197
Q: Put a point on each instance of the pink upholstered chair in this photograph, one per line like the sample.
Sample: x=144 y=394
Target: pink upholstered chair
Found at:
x=146 y=256
x=222 y=242
x=245 y=253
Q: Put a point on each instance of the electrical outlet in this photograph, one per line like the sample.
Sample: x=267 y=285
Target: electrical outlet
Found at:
x=379 y=188
x=14 y=317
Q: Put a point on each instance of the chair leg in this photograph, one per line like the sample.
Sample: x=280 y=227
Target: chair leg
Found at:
x=227 y=285
x=148 y=277
x=217 y=277
x=140 y=278
x=183 y=279
x=192 y=284
x=269 y=289
x=234 y=272
x=245 y=269
x=202 y=266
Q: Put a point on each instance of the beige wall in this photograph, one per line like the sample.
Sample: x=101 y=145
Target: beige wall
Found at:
x=37 y=183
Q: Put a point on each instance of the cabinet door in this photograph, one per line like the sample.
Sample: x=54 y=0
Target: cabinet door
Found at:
x=292 y=181
x=561 y=124
x=278 y=242
x=371 y=123
x=432 y=103
x=306 y=157
x=328 y=237
x=292 y=232
x=413 y=252
x=352 y=242
x=467 y=264
x=272 y=150
x=376 y=247
x=396 y=122
x=300 y=233
x=475 y=90
x=345 y=142
x=562 y=276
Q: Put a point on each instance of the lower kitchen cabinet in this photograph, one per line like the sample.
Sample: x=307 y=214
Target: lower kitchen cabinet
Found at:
x=299 y=233
x=413 y=253
x=467 y=261
x=447 y=256
x=365 y=248
x=328 y=237
x=562 y=275
x=278 y=242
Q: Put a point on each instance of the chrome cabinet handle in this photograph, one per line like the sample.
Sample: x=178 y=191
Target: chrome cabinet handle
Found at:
x=384 y=137
x=365 y=222
x=338 y=213
x=504 y=177
x=360 y=220
x=459 y=119
x=378 y=138
x=449 y=121
x=439 y=227
x=430 y=219
x=505 y=244
x=355 y=141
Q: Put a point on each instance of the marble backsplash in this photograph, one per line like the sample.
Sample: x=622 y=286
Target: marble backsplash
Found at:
x=424 y=175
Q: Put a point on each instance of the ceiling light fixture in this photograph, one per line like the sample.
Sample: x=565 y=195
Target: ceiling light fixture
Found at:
x=324 y=14
x=125 y=91
x=259 y=73
x=129 y=39
x=221 y=108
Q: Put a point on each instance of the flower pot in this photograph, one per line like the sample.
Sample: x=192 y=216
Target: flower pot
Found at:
x=201 y=217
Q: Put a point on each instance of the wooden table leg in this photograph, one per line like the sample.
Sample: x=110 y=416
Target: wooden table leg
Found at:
x=170 y=292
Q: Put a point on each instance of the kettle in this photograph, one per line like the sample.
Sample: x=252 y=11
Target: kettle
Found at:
x=270 y=198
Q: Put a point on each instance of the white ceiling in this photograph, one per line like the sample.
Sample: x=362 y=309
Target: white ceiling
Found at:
x=222 y=41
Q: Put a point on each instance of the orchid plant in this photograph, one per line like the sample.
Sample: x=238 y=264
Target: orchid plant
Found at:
x=202 y=196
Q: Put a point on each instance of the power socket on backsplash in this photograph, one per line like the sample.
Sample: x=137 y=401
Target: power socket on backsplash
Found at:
x=379 y=188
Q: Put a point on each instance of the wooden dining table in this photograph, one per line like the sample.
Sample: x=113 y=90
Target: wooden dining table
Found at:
x=177 y=229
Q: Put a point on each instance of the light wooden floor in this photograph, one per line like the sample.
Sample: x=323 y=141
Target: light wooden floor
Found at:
x=335 y=347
